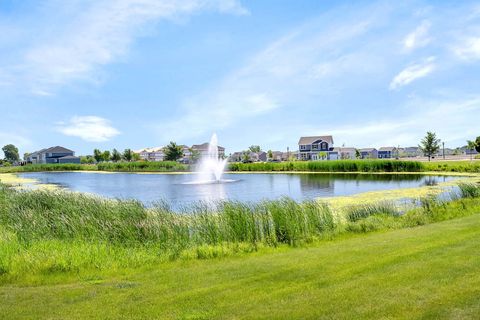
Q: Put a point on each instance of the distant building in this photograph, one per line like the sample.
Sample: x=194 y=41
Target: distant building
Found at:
x=240 y=156
x=368 y=153
x=315 y=147
x=202 y=149
x=343 y=153
x=411 y=152
x=152 y=154
x=387 y=152
x=53 y=155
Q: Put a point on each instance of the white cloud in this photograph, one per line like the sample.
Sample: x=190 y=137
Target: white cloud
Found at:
x=96 y=33
x=418 y=37
x=469 y=49
x=89 y=128
x=412 y=73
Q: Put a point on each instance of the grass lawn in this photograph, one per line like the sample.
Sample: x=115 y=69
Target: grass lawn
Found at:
x=426 y=272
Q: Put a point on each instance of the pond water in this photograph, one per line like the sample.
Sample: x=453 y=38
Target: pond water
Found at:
x=174 y=188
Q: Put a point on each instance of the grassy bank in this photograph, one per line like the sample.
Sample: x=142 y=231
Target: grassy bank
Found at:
x=43 y=232
x=428 y=272
x=143 y=166
x=48 y=167
x=453 y=166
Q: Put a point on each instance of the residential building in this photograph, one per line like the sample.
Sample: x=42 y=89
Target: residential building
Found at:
x=315 y=147
x=152 y=154
x=387 y=152
x=411 y=152
x=343 y=153
x=53 y=155
x=368 y=153
x=202 y=149
x=240 y=156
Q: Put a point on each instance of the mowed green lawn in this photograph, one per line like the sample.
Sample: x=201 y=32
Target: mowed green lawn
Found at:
x=428 y=272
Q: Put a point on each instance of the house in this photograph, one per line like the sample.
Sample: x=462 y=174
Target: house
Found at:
x=315 y=147
x=53 y=155
x=202 y=149
x=411 y=152
x=251 y=156
x=368 y=153
x=343 y=153
x=387 y=152
x=152 y=154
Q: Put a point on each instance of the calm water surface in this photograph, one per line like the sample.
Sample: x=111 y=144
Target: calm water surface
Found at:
x=149 y=188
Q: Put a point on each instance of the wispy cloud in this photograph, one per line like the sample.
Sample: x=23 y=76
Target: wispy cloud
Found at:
x=412 y=73
x=89 y=128
x=98 y=33
x=468 y=49
x=418 y=37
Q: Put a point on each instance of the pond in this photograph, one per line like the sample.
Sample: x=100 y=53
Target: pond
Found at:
x=174 y=188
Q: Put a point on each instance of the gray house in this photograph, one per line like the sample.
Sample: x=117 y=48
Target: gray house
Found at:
x=315 y=148
x=53 y=155
x=368 y=153
x=387 y=152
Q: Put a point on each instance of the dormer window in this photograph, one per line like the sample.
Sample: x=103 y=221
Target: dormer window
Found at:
x=324 y=146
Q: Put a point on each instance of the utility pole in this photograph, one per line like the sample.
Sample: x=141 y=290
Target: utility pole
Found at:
x=443 y=147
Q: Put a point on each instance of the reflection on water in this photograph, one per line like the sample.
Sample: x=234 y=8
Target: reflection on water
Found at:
x=171 y=188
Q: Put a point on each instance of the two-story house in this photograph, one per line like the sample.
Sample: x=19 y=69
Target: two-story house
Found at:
x=53 y=155
x=387 y=152
x=315 y=147
x=368 y=153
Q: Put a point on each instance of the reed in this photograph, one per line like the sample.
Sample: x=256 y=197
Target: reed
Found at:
x=332 y=166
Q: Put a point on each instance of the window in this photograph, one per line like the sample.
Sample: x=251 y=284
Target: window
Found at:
x=324 y=146
x=314 y=146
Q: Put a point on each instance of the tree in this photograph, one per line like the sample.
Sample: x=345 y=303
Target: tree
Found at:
x=106 y=155
x=430 y=145
x=98 y=155
x=194 y=154
x=477 y=144
x=116 y=156
x=246 y=156
x=11 y=153
x=128 y=155
x=87 y=159
x=358 y=155
x=173 y=152
x=26 y=155
x=136 y=157
x=270 y=154
x=254 y=148
x=471 y=145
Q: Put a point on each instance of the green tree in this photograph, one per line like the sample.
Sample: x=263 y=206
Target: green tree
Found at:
x=11 y=153
x=116 y=156
x=471 y=145
x=106 y=155
x=254 y=148
x=194 y=155
x=322 y=155
x=173 y=152
x=136 y=157
x=26 y=155
x=98 y=155
x=128 y=155
x=270 y=154
x=477 y=144
x=246 y=156
x=430 y=145
x=87 y=159
x=358 y=155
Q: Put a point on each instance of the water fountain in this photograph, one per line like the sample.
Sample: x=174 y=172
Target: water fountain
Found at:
x=211 y=167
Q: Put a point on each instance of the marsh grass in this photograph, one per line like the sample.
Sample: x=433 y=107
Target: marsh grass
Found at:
x=333 y=166
x=58 y=231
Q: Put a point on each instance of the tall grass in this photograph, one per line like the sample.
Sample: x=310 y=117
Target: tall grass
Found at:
x=453 y=166
x=57 y=231
x=157 y=166
x=332 y=166
x=48 y=167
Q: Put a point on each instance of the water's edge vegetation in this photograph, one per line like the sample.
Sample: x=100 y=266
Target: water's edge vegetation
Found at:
x=292 y=166
x=43 y=232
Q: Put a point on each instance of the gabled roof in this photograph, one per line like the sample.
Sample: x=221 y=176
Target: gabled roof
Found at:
x=367 y=149
x=56 y=149
x=204 y=146
x=387 y=149
x=312 y=139
x=347 y=149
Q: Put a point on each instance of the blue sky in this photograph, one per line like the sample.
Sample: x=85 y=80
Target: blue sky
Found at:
x=132 y=74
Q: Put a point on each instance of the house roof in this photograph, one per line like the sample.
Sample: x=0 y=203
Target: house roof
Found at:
x=347 y=149
x=69 y=157
x=367 y=149
x=56 y=149
x=387 y=149
x=312 y=139
x=204 y=146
